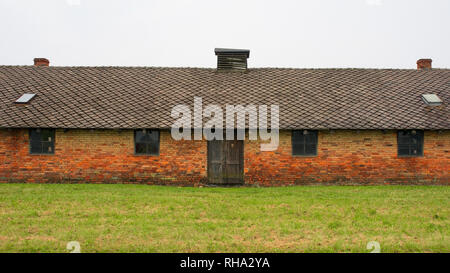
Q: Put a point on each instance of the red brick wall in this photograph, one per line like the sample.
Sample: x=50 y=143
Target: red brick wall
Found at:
x=106 y=156
x=8 y=148
x=350 y=157
x=101 y=156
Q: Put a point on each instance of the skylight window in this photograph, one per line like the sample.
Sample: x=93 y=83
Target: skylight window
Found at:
x=25 y=98
x=431 y=99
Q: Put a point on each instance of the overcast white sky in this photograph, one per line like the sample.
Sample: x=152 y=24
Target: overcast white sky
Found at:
x=312 y=33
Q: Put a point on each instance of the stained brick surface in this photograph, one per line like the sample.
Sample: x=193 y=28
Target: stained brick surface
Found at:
x=101 y=156
x=107 y=156
x=350 y=157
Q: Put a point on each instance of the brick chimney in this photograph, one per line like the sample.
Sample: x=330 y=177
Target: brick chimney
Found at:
x=424 y=64
x=41 y=62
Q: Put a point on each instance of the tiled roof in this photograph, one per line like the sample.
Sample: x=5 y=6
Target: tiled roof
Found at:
x=143 y=97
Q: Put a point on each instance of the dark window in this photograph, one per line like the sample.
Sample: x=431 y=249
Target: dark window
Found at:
x=146 y=142
x=304 y=143
x=42 y=141
x=410 y=143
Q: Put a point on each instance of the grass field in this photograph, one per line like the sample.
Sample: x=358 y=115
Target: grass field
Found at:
x=139 y=218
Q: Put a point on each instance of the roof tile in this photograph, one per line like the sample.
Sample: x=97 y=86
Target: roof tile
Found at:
x=143 y=97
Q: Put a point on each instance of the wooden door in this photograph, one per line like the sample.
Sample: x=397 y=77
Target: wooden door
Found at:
x=226 y=162
x=215 y=161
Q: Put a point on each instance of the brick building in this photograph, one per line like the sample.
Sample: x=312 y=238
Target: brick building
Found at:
x=112 y=124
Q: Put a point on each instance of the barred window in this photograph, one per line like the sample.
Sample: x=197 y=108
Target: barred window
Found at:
x=410 y=143
x=304 y=142
x=146 y=142
x=42 y=141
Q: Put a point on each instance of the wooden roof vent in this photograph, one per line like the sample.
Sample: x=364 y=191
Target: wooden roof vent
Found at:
x=232 y=59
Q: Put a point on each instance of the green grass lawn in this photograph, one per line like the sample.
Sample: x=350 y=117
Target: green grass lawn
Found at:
x=139 y=218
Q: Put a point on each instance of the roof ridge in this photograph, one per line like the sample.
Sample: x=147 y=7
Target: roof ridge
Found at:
x=212 y=68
